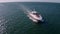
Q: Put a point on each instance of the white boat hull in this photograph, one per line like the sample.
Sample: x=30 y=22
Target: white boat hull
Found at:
x=34 y=19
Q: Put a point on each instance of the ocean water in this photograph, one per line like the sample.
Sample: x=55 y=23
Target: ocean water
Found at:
x=13 y=20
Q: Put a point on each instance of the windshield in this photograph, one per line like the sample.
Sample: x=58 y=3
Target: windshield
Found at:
x=36 y=14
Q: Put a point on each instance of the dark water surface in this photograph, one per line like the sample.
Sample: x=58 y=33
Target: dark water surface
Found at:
x=14 y=21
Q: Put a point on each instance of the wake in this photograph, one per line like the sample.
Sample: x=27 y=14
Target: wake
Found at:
x=25 y=9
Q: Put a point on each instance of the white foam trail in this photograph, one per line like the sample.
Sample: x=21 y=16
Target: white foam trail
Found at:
x=25 y=9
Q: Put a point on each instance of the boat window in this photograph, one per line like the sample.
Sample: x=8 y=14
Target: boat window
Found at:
x=36 y=14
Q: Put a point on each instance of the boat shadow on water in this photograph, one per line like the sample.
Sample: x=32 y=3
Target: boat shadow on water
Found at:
x=42 y=22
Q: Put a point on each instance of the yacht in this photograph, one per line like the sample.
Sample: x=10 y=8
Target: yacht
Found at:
x=35 y=16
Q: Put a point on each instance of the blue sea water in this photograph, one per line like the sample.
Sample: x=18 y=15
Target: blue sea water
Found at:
x=13 y=20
